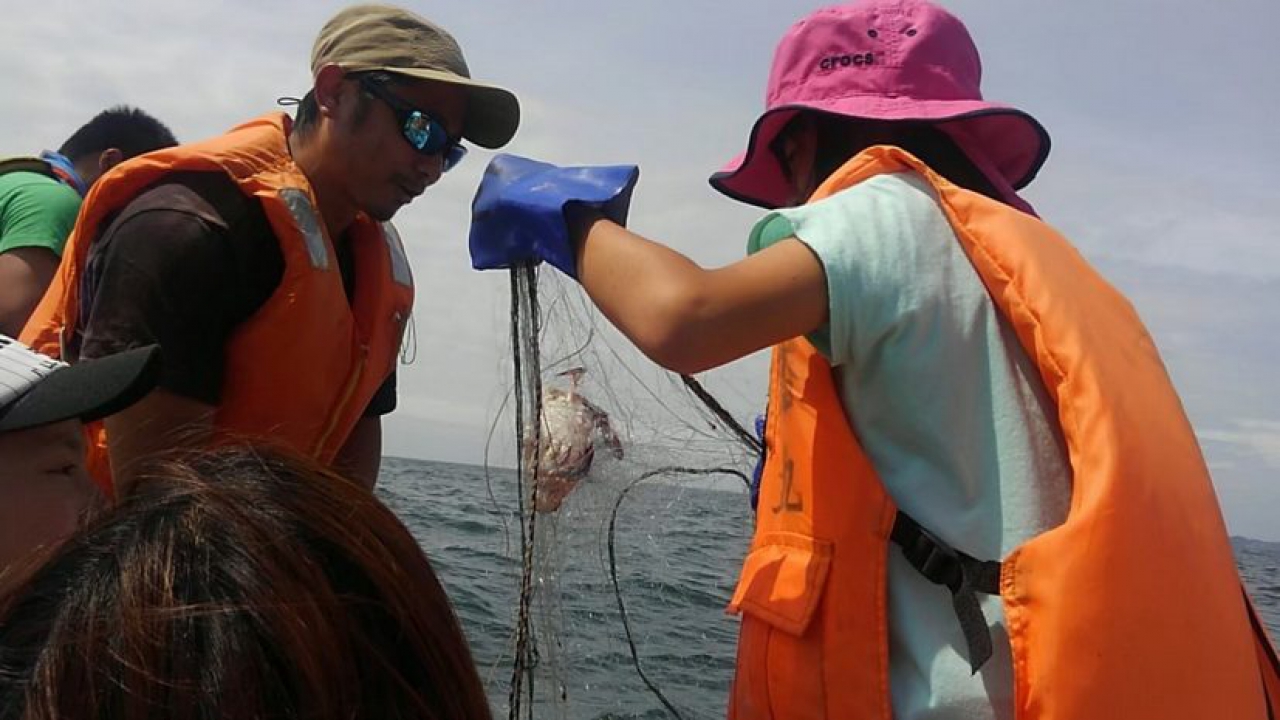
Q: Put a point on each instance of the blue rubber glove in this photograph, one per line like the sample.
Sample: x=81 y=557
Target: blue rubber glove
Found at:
x=518 y=215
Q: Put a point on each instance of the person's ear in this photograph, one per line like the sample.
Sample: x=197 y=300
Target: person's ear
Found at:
x=328 y=89
x=108 y=159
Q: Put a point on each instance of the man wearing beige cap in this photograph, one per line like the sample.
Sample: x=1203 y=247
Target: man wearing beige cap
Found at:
x=262 y=261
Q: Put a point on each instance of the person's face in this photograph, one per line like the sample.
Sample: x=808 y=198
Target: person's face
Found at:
x=383 y=170
x=795 y=151
x=45 y=489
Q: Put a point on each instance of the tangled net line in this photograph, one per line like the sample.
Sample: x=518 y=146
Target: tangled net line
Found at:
x=526 y=362
x=525 y=329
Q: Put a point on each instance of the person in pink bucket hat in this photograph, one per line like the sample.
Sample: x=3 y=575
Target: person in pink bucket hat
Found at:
x=980 y=496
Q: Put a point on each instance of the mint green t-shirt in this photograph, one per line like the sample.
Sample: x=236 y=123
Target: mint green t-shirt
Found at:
x=950 y=410
x=35 y=211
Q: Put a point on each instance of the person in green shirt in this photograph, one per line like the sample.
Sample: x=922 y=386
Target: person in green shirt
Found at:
x=40 y=197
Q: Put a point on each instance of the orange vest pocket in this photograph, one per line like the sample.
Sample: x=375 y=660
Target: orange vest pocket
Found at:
x=781 y=587
x=782 y=580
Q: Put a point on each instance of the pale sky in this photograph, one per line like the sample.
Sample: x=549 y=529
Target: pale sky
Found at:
x=1163 y=171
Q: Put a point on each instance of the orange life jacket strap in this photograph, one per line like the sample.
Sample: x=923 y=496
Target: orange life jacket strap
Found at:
x=964 y=575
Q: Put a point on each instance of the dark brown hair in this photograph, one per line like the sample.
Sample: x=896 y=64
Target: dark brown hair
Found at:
x=233 y=585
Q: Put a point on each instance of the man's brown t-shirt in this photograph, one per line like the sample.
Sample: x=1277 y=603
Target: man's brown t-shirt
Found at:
x=183 y=265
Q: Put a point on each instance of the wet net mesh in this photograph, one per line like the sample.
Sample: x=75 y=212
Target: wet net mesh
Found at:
x=623 y=581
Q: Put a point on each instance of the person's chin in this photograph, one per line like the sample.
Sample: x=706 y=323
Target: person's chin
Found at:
x=387 y=209
x=383 y=213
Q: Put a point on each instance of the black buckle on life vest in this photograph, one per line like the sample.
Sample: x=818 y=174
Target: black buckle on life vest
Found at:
x=962 y=574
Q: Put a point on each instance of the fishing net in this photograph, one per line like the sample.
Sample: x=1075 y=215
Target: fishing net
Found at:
x=626 y=541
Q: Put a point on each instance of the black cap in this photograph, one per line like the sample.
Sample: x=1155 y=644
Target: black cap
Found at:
x=36 y=390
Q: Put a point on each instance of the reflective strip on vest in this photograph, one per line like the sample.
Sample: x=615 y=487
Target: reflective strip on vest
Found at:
x=399 y=260
x=308 y=222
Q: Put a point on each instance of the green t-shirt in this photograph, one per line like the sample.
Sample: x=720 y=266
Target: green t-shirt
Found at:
x=35 y=211
x=950 y=410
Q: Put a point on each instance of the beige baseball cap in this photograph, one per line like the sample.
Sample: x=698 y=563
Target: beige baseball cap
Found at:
x=391 y=39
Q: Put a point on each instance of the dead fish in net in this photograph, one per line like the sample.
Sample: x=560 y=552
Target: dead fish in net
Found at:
x=571 y=428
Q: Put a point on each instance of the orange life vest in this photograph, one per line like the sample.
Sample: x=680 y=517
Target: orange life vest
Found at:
x=1131 y=609
x=301 y=371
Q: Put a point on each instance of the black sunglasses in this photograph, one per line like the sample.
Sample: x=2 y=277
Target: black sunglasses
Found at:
x=426 y=134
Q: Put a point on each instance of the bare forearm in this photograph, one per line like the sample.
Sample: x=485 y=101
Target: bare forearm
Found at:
x=646 y=289
x=24 y=275
x=687 y=318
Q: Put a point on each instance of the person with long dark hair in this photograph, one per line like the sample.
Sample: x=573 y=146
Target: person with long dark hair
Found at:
x=238 y=586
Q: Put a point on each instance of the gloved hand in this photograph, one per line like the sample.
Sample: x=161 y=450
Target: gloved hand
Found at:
x=518 y=214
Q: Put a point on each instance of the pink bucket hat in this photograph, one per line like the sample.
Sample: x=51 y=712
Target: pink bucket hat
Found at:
x=906 y=60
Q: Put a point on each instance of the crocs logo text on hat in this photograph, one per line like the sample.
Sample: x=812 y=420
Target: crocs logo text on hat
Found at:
x=833 y=62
